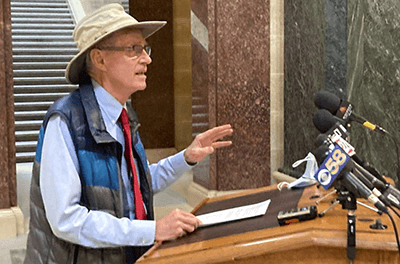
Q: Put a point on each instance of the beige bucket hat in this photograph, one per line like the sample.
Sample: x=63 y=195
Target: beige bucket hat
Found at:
x=96 y=26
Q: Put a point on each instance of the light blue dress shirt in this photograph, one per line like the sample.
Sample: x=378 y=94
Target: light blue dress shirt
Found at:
x=61 y=187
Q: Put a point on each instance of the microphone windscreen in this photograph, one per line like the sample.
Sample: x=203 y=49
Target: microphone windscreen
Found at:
x=321 y=153
x=321 y=138
x=327 y=100
x=323 y=120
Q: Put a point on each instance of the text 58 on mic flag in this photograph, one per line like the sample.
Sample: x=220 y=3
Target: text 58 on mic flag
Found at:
x=331 y=167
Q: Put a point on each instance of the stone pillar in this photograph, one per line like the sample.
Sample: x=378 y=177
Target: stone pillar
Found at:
x=8 y=195
x=304 y=47
x=11 y=219
x=231 y=84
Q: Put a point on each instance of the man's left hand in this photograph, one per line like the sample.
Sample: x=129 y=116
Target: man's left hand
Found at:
x=206 y=143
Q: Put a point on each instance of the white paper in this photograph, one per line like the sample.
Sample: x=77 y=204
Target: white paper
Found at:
x=232 y=214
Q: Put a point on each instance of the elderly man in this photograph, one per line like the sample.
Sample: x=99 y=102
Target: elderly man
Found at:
x=92 y=187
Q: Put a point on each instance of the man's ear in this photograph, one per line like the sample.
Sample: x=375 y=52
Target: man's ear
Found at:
x=97 y=59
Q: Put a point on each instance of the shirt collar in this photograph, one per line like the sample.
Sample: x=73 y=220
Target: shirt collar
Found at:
x=110 y=107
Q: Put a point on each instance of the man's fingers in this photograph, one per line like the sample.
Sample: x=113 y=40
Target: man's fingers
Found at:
x=186 y=218
x=189 y=218
x=188 y=228
x=221 y=135
x=220 y=144
x=187 y=223
x=217 y=132
x=175 y=224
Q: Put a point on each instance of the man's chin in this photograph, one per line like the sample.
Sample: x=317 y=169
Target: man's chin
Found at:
x=142 y=87
x=139 y=88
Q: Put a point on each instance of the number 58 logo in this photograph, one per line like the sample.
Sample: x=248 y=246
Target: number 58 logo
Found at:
x=331 y=167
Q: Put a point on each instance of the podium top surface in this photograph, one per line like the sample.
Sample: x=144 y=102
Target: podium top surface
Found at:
x=279 y=201
x=263 y=235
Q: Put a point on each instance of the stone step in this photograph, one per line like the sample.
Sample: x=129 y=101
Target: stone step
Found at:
x=28 y=125
x=38 y=97
x=45 y=88
x=32 y=106
x=38 y=65
x=39 y=80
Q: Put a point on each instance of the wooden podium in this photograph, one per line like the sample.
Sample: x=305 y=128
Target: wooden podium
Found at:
x=262 y=240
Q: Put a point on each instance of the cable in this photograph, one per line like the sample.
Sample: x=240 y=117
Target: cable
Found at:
x=396 y=144
x=395 y=232
x=398 y=215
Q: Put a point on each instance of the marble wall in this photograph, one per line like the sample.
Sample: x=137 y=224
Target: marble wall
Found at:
x=304 y=48
x=8 y=190
x=372 y=73
x=374 y=79
x=231 y=79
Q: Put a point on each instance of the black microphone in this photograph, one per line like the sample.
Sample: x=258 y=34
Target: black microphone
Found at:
x=323 y=120
x=366 y=166
x=376 y=182
x=389 y=192
x=328 y=125
x=350 y=179
x=337 y=135
x=321 y=153
x=371 y=186
x=336 y=168
x=369 y=181
x=372 y=183
x=393 y=195
x=342 y=109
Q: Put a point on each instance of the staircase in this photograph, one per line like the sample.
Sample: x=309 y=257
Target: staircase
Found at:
x=42 y=47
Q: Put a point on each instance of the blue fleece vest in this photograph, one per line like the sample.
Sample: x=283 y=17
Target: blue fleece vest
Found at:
x=99 y=156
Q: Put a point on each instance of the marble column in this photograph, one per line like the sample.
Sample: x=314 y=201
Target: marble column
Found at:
x=11 y=217
x=336 y=47
x=305 y=42
x=231 y=84
x=8 y=190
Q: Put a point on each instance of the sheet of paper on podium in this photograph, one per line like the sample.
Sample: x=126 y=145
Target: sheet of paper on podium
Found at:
x=233 y=214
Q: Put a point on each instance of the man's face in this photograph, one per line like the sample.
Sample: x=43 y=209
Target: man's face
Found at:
x=125 y=71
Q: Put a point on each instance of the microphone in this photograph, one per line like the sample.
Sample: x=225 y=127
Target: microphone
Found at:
x=371 y=186
x=342 y=109
x=328 y=125
x=368 y=168
x=336 y=167
x=376 y=182
x=332 y=132
x=389 y=192
x=323 y=120
x=335 y=136
x=349 y=179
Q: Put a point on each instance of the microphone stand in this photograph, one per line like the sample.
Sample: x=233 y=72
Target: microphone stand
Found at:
x=349 y=202
x=351 y=235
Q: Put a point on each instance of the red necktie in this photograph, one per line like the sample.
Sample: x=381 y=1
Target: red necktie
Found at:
x=139 y=207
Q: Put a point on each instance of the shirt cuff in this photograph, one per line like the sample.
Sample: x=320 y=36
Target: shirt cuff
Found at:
x=148 y=227
x=179 y=163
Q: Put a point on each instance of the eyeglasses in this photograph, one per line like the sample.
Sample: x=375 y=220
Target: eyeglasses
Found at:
x=136 y=50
